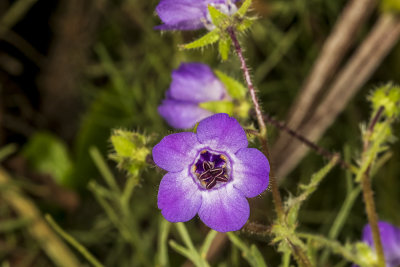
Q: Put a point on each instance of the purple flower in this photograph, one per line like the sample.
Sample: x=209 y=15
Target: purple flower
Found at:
x=210 y=173
x=390 y=238
x=192 y=83
x=190 y=14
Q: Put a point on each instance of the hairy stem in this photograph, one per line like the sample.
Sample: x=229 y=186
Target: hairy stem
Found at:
x=372 y=217
x=249 y=83
x=263 y=129
x=318 y=149
x=301 y=256
x=369 y=195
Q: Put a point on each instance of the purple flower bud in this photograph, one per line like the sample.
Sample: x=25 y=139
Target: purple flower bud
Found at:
x=190 y=14
x=192 y=83
x=390 y=238
x=210 y=173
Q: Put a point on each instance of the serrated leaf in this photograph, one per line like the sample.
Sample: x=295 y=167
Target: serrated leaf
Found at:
x=207 y=39
x=244 y=25
x=235 y=89
x=243 y=9
x=222 y=106
x=217 y=17
x=123 y=146
x=224 y=47
x=387 y=96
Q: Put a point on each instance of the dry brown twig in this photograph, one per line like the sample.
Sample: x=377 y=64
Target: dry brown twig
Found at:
x=334 y=49
x=384 y=35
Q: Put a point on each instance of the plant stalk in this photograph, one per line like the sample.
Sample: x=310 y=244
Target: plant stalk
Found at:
x=368 y=195
x=263 y=129
x=372 y=217
x=249 y=83
x=301 y=256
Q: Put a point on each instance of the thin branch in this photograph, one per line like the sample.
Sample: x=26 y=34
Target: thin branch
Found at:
x=318 y=149
x=334 y=49
x=368 y=195
x=298 y=252
x=247 y=78
x=353 y=76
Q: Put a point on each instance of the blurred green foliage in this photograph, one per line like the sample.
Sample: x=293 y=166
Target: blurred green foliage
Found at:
x=118 y=220
x=48 y=154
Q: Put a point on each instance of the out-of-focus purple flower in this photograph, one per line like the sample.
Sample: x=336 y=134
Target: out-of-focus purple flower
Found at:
x=390 y=238
x=210 y=173
x=190 y=14
x=192 y=83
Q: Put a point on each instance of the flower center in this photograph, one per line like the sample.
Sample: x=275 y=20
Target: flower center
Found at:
x=211 y=169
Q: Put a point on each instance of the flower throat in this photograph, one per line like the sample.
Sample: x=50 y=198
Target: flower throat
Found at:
x=211 y=169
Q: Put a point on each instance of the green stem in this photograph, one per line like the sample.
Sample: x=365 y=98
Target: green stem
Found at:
x=15 y=13
x=372 y=218
x=335 y=246
x=286 y=259
x=7 y=151
x=340 y=220
x=72 y=241
x=195 y=256
x=104 y=170
x=368 y=194
x=162 y=247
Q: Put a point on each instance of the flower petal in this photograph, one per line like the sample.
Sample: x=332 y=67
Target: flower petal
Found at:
x=222 y=133
x=176 y=151
x=181 y=14
x=224 y=209
x=182 y=115
x=251 y=172
x=178 y=197
x=196 y=82
x=390 y=237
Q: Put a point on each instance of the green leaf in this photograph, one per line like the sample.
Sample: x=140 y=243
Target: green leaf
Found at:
x=244 y=25
x=122 y=145
x=7 y=150
x=9 y=225
x=222 y=106
x=243 y=9
x=252 y=254
x=224 y=47
x=235 y=89
x=207 y=243
x=162 y=250
x=129 y=146
x=217 y=17
x=207 y=39
x=387 y=96
x=258 y=258
x=131 y=152
x=46 y=153
x=295 y=203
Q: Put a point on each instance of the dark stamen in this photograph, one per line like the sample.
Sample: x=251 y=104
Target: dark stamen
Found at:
x=212 y=175
x=211 y=169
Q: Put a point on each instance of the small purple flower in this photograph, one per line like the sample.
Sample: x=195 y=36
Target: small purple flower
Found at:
x=210 y=173
x=192 y=83
x=390 y=238
x=190 y=14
